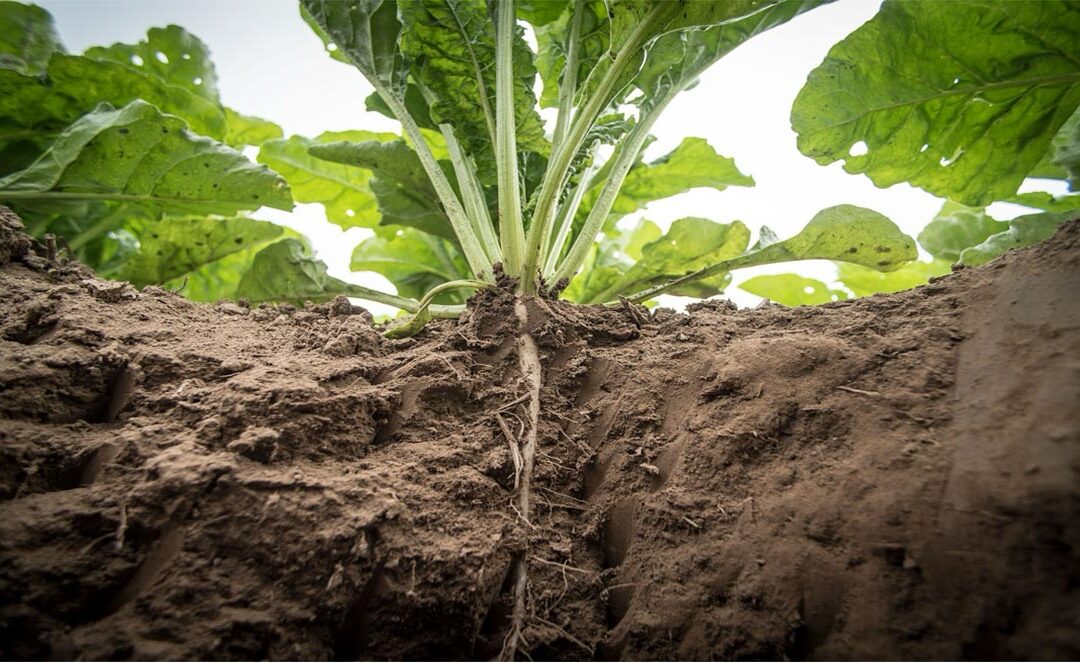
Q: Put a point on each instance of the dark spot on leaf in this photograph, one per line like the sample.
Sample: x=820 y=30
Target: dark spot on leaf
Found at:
x=155 y=235
x=164 y=130
x=882 y=263
x=160 y=252
x=853 y=249
x=206 y=164
x=124 y=130
x=214 y=185
x=882 y=249
x=255 y=196
x=239 y=240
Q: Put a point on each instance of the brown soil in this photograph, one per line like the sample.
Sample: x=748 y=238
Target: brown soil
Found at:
x=893 y=477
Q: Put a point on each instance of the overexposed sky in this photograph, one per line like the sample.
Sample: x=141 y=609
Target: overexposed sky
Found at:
x=270 y=64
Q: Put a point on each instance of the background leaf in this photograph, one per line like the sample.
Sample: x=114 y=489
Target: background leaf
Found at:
x=960 y=98
x=413 y=261
x=864 y=281
x=243 y=129
x=175 y=246
x=172 y=54
x=792 y=289
x=955 y=228
x=140 y=155
x=1023 y=231
x=343 y=190
x=28 y=38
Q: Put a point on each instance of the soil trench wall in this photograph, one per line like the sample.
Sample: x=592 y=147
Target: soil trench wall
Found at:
x=891 y=477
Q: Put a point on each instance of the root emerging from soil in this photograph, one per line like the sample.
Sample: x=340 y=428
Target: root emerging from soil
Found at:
x=533 y=378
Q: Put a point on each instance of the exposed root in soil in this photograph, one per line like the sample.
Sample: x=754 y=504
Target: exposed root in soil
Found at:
x=532 y=377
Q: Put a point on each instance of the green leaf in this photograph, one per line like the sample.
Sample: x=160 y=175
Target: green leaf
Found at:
x=693 y=164
x=957 y=227
x=451 y=48
x=1067 y=151
x=413 y=261
x=540 y=12
x=1064 y=142
x=137 y=154
x=845 y=232
x=172 y=54
x=792 y=289
x=551 y=38
x=414 y=103
x=215 y=281
x=286 y=272
x=690 y=244
x=864 y=281
x=241 y=130
x=401 y=186
x=678 y=58
x=1046 y=201
x=175 y=246
x=609 y=260
x=1023 y=231
x=960 y=98
x=363 y=33
x=28 y=38
x=75 y=85
x=343 y=190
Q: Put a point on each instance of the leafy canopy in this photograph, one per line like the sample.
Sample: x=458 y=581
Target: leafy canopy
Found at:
x=128 y=151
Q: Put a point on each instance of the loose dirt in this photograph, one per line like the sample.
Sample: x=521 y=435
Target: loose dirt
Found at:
x=892 y=477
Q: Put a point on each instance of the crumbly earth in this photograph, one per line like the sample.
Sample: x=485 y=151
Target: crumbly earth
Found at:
x=894 y=477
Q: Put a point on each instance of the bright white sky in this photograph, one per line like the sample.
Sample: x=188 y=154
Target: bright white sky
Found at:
x=270 y=64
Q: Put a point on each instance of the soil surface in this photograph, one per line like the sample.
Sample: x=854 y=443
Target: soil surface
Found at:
x=891 y=477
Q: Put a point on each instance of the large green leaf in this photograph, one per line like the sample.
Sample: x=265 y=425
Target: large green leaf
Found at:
x=960 y=98
x=957 y=227
x=75 y=85
x=343 y=190
x=172 y=54
x=363 y=33
x=846 y=233
x=865 y=281
x=678 y=58
x=792 y=289
x=138 y=154
x=28 y=38
x=174 y=246
x=413 y=261
x=451 y=48
x=1023 y=231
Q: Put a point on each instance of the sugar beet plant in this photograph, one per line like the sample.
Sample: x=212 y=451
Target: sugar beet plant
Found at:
x=128 y=154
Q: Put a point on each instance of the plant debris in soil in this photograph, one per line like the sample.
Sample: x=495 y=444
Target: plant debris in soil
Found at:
x=890 y=477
